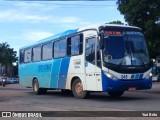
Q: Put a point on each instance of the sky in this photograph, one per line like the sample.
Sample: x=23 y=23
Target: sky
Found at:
x=25 y=22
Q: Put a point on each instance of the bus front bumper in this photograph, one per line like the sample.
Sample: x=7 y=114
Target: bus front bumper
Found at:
x=125 y=85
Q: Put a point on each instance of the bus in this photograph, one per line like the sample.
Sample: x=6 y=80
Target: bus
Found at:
x=97 y=58
x=158 y=67
x=158 y=62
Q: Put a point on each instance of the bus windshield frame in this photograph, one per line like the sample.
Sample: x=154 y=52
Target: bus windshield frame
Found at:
x=125 y=50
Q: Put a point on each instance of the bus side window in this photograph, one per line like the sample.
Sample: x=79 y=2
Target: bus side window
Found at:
x=22 y=56
x=90 y=50
x=75 y=45
x=27 y=55
x=36 y=54
x=59 y=48
x=69 y=46
x=47 y=51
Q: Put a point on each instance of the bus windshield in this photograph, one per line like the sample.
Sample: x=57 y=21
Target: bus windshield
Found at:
x=127 y=48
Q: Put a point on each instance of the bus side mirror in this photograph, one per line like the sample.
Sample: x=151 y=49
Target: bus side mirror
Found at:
x=153 y=60
x=101 y=42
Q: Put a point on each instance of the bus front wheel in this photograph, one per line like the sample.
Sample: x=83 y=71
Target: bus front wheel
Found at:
x=77 y=89
x=36 y=88
x=116 y=94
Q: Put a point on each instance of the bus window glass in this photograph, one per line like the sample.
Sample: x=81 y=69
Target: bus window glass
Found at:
x=60 y=48
x=27 y=56
x=127 y=49
x=75 y=45
x=47 y=51
x=37 y=53
x=22 y=56
x=90 y=50
x=56 y=49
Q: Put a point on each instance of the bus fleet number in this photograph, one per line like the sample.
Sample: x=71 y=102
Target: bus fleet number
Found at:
x=124 y=76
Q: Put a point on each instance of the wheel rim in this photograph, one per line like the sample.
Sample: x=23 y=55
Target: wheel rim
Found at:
x=35 y=86
x=79 y=88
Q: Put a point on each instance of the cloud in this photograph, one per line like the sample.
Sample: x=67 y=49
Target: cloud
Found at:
x=27 y=37
x=34 y=36
x=34 y=5
x=69 y=20
x=15 y=15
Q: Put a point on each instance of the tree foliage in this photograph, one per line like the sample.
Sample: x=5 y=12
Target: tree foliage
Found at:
x=116 y=22
x=146 y=15
x=7 y=56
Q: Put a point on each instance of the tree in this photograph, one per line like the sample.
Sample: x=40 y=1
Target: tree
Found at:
x=7 y=57
x=146 y=15
x=116 y=22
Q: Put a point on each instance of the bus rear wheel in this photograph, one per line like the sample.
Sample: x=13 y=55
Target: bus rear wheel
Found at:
x=36 y=88
x=116 y=94
x=77 y=89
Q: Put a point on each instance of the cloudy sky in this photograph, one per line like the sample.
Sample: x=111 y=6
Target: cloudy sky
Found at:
x=25 y=22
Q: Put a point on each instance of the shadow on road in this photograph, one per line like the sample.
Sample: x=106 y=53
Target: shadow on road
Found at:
x=94 y=96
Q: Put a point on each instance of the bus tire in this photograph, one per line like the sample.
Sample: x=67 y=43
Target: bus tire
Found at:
x=116 y=94
x=36 y=88
x=77 y=89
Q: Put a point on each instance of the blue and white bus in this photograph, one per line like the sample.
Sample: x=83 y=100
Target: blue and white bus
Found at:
x=98 y=58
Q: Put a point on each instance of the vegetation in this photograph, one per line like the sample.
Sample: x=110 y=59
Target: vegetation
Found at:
x=116 y=22
x=7 y=58
x=146 y=15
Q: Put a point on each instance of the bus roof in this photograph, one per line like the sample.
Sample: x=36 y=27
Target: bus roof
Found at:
x=69 y=32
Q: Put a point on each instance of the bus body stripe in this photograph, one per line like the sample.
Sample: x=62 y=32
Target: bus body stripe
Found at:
x=55 y=72
x=63 y=72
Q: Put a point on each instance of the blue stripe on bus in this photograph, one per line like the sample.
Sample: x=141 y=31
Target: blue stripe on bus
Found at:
x=63 y=72
x=137 y=76
x=55 y=73
x=104 y=82
x=141 y=76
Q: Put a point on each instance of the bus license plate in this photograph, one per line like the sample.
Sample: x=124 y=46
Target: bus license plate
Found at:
x=132 y=88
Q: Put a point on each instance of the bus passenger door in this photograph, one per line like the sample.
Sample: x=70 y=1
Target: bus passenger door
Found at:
x=90 y=64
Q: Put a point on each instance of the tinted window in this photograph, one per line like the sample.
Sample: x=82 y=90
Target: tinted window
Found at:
x=22 y=56
x=56 y=49
x=90 y=50
x=47 y=51
x=36 y=53
x=27 y=55
x=98 y=55
x=60 y=48
x=75 y=45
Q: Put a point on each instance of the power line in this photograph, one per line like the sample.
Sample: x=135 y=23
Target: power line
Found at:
x=81 y=5
x=62 y=5
x=60 y=0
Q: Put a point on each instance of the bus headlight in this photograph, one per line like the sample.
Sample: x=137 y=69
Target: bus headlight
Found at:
x=110 y=76
x=149 y=75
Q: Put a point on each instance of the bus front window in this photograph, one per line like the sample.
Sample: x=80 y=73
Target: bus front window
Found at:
x=126 y=49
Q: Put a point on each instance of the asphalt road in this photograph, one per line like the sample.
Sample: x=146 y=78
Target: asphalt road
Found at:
x=14 y=97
